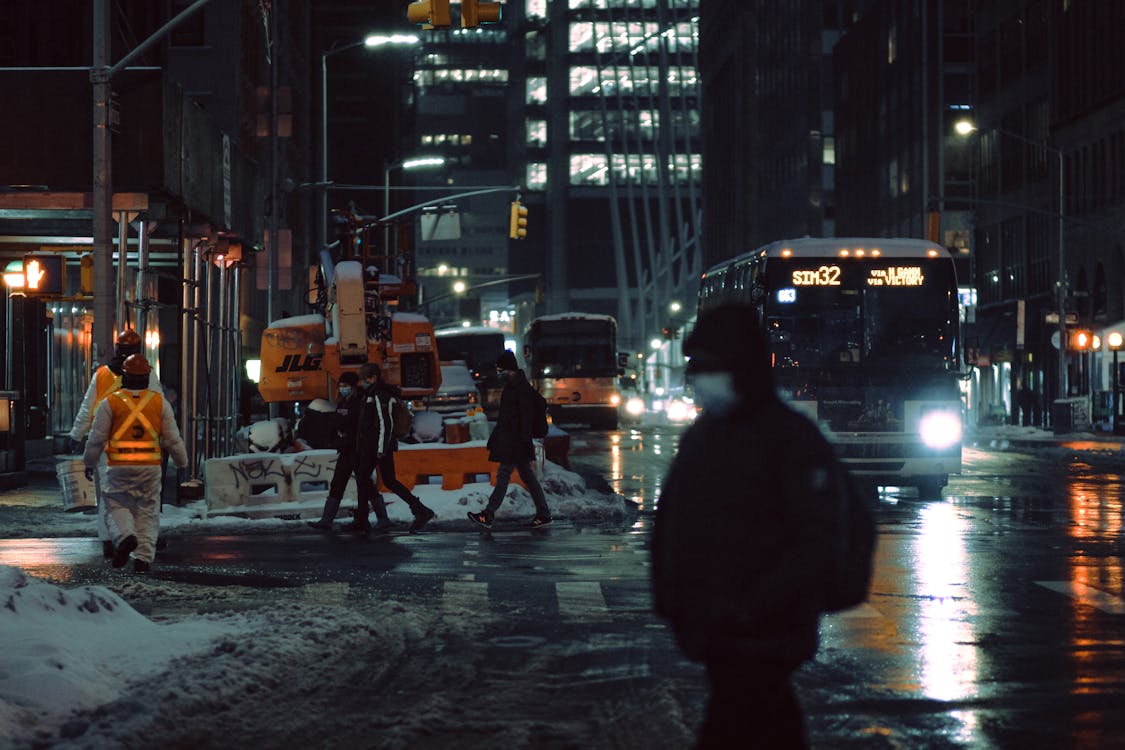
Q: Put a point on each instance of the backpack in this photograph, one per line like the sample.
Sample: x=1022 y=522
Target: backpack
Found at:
x=538 y=414
x=401 y=419
x=848 y=584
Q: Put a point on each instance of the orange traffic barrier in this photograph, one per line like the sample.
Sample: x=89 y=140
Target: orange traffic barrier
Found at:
x=456 y=464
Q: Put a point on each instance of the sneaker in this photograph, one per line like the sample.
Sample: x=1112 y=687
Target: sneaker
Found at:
x=382 y=526
x=121 y=556
x=140 y=566
x=423 y=517
x=539 y=522
x=107 y=549
x=481 y=519
x=321 y=525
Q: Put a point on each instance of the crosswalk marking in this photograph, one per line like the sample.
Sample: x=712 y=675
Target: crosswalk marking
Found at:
x=1096 y=598
x=580 y=598
x=465 y=595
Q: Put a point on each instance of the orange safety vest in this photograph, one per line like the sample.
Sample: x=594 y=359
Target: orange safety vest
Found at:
x=135 y=435
x=105 y=383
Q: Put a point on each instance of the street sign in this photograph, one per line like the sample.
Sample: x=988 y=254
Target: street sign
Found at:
x=1053 y=318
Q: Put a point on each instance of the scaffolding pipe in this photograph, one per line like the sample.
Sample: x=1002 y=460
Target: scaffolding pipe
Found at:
x=187 y=354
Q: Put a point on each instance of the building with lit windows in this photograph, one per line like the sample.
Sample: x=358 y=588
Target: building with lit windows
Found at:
x=591 y=107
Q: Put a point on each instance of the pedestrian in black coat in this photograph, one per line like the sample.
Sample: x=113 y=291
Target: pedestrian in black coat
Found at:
x=348 y=403
x=376 y=445
x=510 y=443
x=748 y=527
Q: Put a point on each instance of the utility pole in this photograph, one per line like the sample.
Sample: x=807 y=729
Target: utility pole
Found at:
x=102 y=203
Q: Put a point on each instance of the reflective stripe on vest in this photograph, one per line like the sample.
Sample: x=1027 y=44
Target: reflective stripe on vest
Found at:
x=106 y=381
x=134 y=438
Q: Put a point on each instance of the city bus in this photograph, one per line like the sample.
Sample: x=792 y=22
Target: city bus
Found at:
x=864 y=338
x=479 y=347
x=573 y=363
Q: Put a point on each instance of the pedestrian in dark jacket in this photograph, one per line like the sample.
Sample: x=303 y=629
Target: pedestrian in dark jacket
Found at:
x=510 y=443
x=747 y=529
x=348 y=403
x=376 y=444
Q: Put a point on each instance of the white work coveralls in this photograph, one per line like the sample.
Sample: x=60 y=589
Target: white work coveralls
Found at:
x=82 y=423
x=132 y=492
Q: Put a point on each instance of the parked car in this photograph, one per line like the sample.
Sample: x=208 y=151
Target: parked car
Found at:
x=458 y=391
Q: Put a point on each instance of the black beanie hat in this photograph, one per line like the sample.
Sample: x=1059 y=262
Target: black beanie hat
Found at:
x=349 y=378
x=728 y=338
x=507 y=361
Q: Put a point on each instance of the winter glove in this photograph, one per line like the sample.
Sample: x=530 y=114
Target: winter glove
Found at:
x=89 y=473
x=73 y=446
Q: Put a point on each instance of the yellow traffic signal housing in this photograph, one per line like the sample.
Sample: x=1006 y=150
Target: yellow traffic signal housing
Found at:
x=86 y=274
x=517 y=223
x=474 y=12
x=432 y=14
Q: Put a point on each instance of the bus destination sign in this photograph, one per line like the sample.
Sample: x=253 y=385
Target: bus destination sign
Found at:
x=896 y=276
x=834 y=275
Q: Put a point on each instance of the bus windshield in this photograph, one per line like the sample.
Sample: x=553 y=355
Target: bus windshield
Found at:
x=573 y=348
x=890 y=313
x=479 y=350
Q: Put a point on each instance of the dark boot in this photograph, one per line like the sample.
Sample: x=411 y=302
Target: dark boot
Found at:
x=422 y=516
x=331 y=507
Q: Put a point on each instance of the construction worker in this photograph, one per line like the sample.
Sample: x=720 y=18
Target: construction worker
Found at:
x=131 y=425
x=107 y=379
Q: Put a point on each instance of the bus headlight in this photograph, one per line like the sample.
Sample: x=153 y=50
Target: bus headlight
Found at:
x=940 y=429
x=635 y=406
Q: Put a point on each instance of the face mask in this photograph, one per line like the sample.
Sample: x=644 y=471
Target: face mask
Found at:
x=345 y=390
x=715 y=391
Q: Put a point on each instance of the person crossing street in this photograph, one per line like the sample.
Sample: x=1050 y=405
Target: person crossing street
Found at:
x=131 y=426
x=510 y=444
x=106 y=379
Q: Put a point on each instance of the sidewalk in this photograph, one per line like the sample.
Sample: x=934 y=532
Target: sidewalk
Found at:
x=1001 y=437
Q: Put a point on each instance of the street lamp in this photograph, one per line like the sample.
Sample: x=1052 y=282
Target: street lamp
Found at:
x=418 y=162
x=1115 y=340
x=372 y=41
x=965 y=128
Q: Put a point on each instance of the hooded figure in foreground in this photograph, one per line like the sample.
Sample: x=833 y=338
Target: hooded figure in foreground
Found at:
x=747 y=531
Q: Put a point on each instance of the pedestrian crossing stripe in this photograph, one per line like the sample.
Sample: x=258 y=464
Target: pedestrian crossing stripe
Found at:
x=580 y=598
x=466 y=595
x=1096 y=598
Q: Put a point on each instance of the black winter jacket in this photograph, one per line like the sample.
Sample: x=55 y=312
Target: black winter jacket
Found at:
x=510 y=441
x=748 y=523
x=374 y=434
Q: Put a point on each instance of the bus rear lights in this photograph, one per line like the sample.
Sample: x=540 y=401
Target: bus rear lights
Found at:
x=940 y=429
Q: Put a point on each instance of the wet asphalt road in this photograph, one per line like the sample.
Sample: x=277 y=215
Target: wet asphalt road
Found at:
x=995 y=616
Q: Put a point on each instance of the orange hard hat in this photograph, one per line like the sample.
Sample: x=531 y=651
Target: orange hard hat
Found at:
x=129 y=337
x=135 y=364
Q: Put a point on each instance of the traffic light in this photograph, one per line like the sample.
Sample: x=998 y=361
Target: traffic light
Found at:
x=474 y=12
x=517 y=223
x=44 y=275
x=432 y=14
x=1080 y=340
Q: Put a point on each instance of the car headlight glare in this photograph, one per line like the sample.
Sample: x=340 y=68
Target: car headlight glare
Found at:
x=940 y=429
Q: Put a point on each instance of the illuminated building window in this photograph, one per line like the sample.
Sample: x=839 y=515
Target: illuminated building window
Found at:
x=829 y=150
x=536 y=176
x=537 y=132
x=536 y=90
x=588 y=169
x=536 y=9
